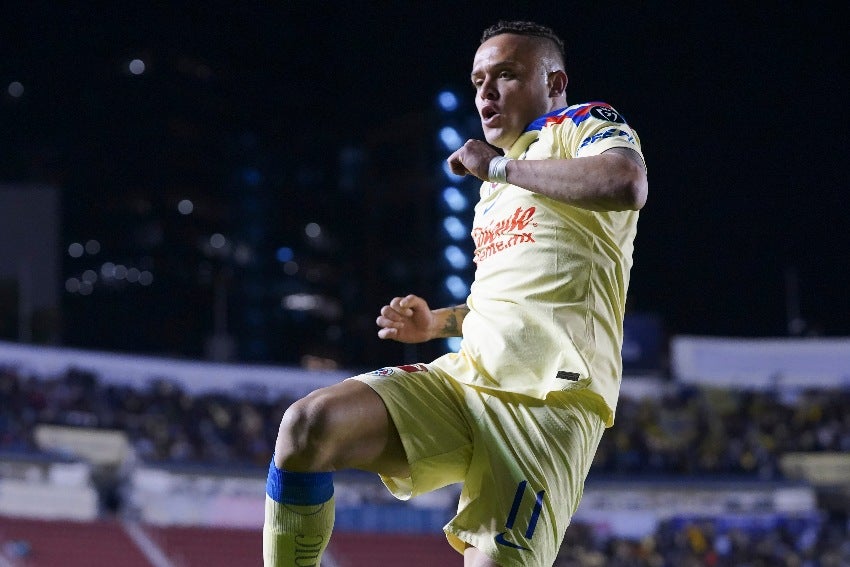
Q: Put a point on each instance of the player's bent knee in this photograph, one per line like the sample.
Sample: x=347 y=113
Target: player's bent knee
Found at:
x=304 y=441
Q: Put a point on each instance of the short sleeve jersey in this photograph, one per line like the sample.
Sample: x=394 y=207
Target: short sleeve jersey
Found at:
x=547 y=304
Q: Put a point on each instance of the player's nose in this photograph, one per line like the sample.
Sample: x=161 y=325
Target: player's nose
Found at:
x=488 y=90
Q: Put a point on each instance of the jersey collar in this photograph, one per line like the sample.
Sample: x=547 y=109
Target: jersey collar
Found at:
x=542 y=121
x=531 y=132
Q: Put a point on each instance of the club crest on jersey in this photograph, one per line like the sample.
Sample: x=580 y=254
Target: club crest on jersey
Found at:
x=577 y=114
x=385 y=371
x=607 y=113
x=389 y=371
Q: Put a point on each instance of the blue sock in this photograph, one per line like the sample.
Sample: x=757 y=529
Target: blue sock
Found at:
x=286 y=487
x=299 y=517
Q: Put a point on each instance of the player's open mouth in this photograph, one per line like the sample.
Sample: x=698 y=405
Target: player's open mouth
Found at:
x=490 y=118
x=488 y=112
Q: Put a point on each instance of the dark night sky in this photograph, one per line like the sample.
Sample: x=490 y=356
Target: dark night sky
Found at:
x=741 y=112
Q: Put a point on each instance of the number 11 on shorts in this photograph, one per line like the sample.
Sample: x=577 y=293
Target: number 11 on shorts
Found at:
x=532 y=522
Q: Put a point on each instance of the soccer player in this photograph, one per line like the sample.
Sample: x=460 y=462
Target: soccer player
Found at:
x=517 y=414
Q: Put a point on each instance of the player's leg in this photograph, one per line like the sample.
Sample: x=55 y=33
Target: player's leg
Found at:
x=472 y=557
x=526 y=476
x=343 y=426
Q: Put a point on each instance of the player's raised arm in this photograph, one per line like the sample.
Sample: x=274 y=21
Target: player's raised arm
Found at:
x=612 y=181
x=409 y=319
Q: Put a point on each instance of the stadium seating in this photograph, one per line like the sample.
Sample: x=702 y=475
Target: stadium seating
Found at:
x=186 y=462
x=43 y=543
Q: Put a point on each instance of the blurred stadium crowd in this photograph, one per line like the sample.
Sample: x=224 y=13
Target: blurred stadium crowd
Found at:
x=689 y=432
x=164 y=423
x=700 y=544
x=721 y=431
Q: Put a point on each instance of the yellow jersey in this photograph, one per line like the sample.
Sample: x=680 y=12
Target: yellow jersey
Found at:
x=547 y=304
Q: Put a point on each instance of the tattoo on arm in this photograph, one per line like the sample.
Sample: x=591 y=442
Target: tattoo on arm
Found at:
x=453 y=321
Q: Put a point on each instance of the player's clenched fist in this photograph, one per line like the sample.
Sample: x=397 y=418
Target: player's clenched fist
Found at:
x=406 y=319
x=472 y=158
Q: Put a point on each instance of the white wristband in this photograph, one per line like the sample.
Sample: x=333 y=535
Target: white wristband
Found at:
x=497 y=172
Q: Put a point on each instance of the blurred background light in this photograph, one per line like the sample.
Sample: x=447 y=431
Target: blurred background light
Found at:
x=300 y=302
x=447 y=100
x=450 y=137
x=456 y=257
x=454 y=199
x=454 y=228
x=15 y=89
x=185 y=207
x=455 y=285
x=75 y=250
x=72 y=285
x=284 y=254
x=313 y=230
x=136 y=66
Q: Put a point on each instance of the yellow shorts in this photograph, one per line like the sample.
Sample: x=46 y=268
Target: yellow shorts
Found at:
x=522 y=461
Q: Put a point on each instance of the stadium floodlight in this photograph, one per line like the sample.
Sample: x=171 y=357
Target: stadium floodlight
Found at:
x=448 y=101
x=455 y=228
x=450 y=137
x=454 y=199
x=455 y=257
x=457 y=287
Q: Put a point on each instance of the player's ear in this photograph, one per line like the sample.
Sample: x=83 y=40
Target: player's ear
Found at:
x=557 y=83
